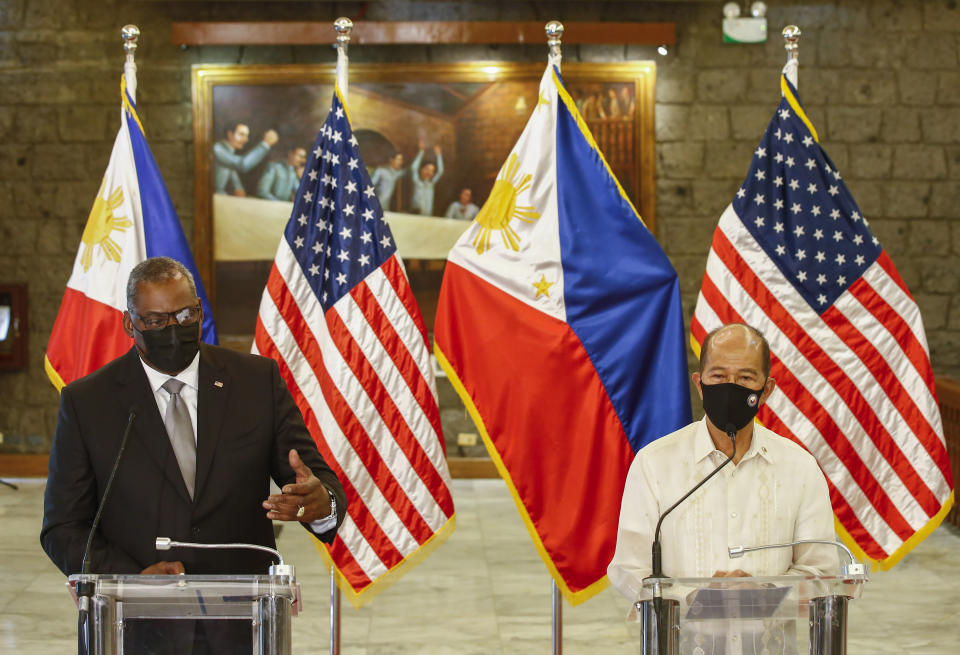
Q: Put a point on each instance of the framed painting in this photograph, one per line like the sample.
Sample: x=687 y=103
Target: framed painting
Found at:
x=453 y=124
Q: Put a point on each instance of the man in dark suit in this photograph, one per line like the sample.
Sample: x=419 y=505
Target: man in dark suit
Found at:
x=245 y=429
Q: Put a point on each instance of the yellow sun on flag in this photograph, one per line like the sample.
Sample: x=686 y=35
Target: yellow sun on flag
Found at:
x=501 y=207
x=542 y=100
x=100 y=224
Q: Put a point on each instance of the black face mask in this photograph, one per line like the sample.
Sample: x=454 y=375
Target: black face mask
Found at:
x=172 y=348
x=730 y=406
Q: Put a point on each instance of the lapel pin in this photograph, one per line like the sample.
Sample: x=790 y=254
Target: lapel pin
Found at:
x=218 y=383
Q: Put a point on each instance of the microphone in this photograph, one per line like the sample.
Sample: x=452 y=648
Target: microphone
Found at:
x=166 y=543
x=657 y=557
x=84 y=566
x=852 y=568
x=85 y=587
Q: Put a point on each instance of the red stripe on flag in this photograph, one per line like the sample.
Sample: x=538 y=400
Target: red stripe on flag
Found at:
x=891 y=319
x=347 y=565
x=343 y=414
x=889 y=381
x=887 y=316
x=887 y=265
x=86 y=335
x=401 y=357
x=811 y=408
x=840 y=444
x=547 y=466
x=401 y=286
x=352 y=430
x=697 y=330
x=844 y=387
x=400 y=432
x=341 y=555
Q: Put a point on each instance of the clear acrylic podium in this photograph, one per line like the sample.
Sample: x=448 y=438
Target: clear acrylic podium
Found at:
x=788 y=615
x=265 y=602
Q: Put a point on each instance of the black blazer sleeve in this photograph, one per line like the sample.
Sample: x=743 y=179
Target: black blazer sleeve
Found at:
x=71 y=499
x=290 y=432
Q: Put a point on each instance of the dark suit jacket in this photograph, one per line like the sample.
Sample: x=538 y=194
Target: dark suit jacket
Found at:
x=246 y=427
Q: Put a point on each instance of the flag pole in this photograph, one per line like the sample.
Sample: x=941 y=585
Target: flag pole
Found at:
x=343 y=26
x=791 y=35
x=334 y=612
x=130 y=35
x=557 y=616
x=554 y=31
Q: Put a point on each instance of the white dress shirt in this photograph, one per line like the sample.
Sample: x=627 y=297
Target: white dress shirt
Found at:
x=777 y=493
x=190 y=377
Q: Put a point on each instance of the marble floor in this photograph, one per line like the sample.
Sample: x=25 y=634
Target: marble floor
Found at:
x=484 y=591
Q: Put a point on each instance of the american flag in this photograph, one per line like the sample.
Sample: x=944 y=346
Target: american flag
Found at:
x=340 y=318
x=794 y=256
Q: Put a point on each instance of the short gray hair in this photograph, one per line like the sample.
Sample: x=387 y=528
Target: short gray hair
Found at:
x=156 y=269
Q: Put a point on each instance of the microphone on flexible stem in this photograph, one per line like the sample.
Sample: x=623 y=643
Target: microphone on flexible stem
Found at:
x=166 y=543
x=657 y=558
x=853 y=568
x=85 y=587
x=664 y=609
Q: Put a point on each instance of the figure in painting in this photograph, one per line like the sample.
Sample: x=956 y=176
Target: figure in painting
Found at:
x=613 y=104
x=628 y=105
x=462 y=209
x=281 y=179
x=385 y=179
x=425 y=177
x=593 y=107
x=228 y=163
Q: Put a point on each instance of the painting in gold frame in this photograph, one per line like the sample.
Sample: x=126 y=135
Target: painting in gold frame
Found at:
x=250 y=121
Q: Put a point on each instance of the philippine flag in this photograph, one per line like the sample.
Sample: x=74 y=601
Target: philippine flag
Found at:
x=132 y=218
x=560 y=325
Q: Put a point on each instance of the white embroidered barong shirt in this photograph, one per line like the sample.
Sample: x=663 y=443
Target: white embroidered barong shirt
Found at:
x=776 y=494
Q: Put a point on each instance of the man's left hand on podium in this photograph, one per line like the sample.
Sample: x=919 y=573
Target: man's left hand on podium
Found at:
x=736 y=573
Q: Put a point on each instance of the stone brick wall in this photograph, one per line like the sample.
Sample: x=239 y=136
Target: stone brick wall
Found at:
x=879 y=78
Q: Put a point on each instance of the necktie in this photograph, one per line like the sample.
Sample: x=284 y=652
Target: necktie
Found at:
x=180 y=431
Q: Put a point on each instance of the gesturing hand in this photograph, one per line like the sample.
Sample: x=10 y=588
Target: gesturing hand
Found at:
x=307 y=492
